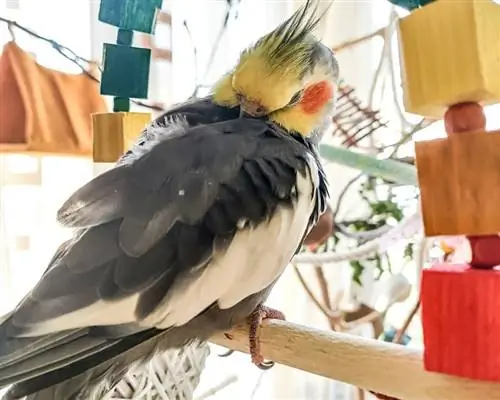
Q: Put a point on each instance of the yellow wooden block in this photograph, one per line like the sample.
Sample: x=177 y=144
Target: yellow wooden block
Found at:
x=450 y=53
x=114 y=133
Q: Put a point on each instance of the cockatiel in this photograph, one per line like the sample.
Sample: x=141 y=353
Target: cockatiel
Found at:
x=187 y=235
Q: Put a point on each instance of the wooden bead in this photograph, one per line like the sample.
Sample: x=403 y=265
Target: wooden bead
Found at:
x=464 y=117
x=461 y=321
x=125 y=37
x=121 y=104
x=485 y=251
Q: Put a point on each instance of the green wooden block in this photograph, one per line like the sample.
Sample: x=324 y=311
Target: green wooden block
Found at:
x=126 y=71
x=131 y=15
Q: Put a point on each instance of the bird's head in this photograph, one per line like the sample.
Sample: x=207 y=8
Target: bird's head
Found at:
x=288 y=76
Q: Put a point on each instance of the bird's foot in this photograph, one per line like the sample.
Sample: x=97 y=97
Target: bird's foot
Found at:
x=255 y=320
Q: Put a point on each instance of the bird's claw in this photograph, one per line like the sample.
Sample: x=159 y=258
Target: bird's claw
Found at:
x=226 y=354
x=255 y=320
x=265 y=365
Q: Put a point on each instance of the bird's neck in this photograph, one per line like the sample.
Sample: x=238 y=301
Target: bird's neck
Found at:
x=295 y=120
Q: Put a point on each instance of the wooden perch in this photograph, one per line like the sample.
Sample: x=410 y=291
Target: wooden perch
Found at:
x=393 y=370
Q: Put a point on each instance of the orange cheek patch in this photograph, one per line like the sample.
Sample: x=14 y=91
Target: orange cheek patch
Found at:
x=316 y=96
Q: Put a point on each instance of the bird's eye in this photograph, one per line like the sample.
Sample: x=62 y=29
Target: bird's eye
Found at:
x=295 y=99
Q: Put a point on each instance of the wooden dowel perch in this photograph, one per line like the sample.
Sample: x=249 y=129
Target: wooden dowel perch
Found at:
x=393 y=370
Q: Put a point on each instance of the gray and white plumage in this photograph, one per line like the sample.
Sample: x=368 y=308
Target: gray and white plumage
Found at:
x=184 y=233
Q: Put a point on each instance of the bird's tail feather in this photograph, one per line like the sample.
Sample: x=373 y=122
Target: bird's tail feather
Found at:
x=24 y=358
x=33 y=364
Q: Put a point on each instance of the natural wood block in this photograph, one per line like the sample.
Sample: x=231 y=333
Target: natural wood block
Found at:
x=459 y=179
x=461 y=322
x=450 y=54
x=114 y=133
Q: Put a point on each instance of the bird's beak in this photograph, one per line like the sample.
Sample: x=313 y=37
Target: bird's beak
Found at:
x=252 y=109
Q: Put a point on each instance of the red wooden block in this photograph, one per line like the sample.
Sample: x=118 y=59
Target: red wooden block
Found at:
x=461 y=321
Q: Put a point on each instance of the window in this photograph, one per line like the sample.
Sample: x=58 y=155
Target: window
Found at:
x=32 y=188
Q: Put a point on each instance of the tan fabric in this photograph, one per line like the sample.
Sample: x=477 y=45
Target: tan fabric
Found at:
x=44 y=110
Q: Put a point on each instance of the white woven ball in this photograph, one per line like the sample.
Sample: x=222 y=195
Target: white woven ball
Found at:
x=173 y=375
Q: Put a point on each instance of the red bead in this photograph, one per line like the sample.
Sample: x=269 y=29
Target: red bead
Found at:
x=485 y=251
x=461 y=321
x=464 y=117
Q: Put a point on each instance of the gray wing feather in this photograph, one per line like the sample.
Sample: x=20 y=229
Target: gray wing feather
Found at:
x=177 y=180
x=99 y=203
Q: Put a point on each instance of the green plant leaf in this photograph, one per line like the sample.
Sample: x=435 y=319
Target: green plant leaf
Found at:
x=409 y=251
x=396 y=171
x=357 y=271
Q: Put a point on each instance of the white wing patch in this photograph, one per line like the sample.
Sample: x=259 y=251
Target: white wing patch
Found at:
x=100 y=313
x=254 y=259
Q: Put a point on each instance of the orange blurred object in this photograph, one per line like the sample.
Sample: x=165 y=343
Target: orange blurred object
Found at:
x=321 y=231
x=43 y=110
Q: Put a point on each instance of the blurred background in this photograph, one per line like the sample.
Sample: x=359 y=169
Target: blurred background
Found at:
x=197 y=41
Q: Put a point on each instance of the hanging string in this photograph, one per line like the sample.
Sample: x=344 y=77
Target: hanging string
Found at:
x=69 y=55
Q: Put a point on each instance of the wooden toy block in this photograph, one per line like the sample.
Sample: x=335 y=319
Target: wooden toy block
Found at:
x=459 y=179
x=132 y=15
x=461 y=321
x=450 y=54
x=126 y=72
x=114 y=133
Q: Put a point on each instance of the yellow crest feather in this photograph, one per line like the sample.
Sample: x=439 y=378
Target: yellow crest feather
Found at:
x=290 y=45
